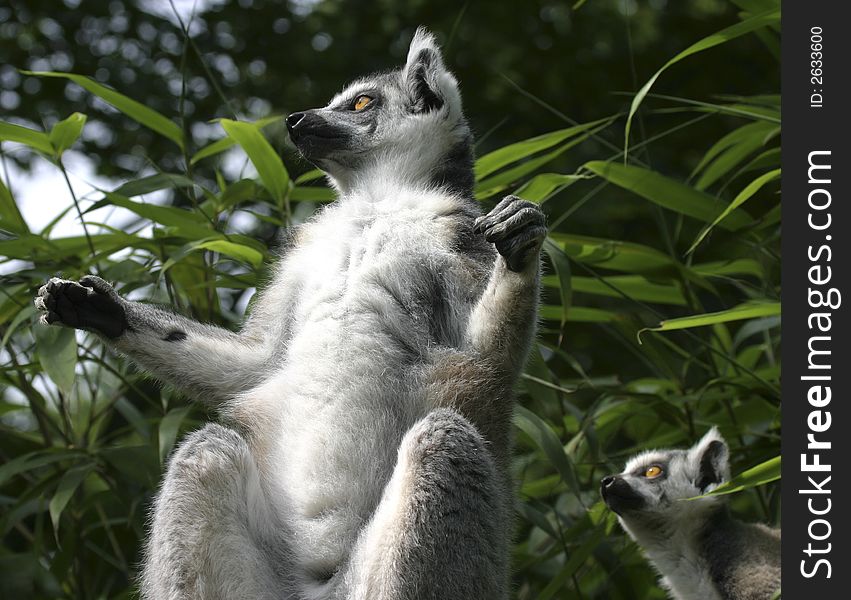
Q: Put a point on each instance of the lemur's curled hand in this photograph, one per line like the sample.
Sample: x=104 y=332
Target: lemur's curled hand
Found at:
x=89 y=304
x=517 y=228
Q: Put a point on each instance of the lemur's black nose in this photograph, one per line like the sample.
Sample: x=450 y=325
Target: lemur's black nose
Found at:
x=607 y=481
x=293 y=120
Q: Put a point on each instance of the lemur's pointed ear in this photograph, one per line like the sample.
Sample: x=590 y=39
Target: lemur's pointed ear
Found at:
x=711 y=456
x=429 y=84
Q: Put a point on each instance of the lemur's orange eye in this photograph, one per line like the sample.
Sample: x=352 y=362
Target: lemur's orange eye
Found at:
x=653 y=472
x=361 y=102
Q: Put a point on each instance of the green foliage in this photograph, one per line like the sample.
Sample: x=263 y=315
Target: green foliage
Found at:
x=683 y=248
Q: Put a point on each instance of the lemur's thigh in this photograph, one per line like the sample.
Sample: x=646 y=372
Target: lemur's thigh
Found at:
x=213 y=534
x=441 y=529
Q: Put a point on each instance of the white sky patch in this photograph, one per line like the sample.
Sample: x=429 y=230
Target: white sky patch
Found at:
x=185 y=8
x=42 y=194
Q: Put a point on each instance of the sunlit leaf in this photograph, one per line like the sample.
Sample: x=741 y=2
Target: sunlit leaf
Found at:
x=493 y=161
x=135 y=110
x=761 y=474
x=269 y=165
x=226 y=142
x=37 y=140
x=66 y=132
x=10 y=216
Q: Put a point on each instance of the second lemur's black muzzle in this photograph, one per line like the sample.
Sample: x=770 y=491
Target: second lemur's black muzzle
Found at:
x=619 y=495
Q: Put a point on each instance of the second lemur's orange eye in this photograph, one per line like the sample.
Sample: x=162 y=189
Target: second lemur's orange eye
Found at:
x=361 y=102
x=653 y=472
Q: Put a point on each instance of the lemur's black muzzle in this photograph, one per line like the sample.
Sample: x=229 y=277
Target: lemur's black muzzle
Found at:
x=315 y=136
x=619 y=495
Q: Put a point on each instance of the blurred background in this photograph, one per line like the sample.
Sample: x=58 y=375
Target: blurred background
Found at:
x=84 y=436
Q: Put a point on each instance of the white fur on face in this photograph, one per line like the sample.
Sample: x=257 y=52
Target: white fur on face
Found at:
x=397 y=142
x=669 y=524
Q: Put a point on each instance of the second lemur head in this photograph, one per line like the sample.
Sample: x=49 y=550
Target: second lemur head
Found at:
x=649 y=496
x=404 y=126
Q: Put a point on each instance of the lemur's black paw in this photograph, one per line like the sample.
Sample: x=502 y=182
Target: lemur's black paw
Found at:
x=517 y=228
x=91 y=304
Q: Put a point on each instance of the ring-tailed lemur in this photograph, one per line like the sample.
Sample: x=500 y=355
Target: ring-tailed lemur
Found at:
x=371 y=387
x=700 y=550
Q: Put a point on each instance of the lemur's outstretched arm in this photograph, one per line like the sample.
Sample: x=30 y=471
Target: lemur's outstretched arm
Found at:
x=502 y=321
x=209 y=363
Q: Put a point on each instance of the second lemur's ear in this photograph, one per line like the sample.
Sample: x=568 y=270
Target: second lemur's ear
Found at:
x=430 y=86
x=712 y=457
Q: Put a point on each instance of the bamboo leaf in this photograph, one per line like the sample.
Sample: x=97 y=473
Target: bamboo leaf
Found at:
x=761 y=474
x=612 y=254
x=496 y=183
x=303 y=193
x=578 y=314
x=561 y=264
x=69 y=483
x=226 y=142
x=546 y=439
x=636 y=287
x=169 y=426
x=752 y=188
x=725 y=35
x=10 y=216
x=133 y=109
x=37 y=140
x=574 y=560
x=188 y=224
x=153 y=183
x=65 y=133
x=33 y=460
x=238 y=251
x=269 y=165
x=734 y=155
x=668 y=193
x=540 y=188
x=748 y=310
x=493 y=161
x=756 y=130
x=57 y=353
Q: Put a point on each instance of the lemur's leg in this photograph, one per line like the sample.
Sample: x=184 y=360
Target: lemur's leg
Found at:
x=207 y=362
x=502 y=323
x=213 y=535
x=441 y=529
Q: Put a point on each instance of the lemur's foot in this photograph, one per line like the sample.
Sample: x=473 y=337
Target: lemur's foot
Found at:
x=517 y=228
x=91 y=304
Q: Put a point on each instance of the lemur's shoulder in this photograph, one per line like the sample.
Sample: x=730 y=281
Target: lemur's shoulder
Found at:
x=743 y=558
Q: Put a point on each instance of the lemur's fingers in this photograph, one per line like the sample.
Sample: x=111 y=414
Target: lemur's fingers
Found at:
x=485 y=221
x=519 y=250
x=504 y=216
x=97 y=284
x=94 y=306
x=517 y=228
x=523 y=218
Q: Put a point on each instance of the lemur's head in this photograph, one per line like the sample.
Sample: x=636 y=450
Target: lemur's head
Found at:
x=649 y=496
x=406 y=125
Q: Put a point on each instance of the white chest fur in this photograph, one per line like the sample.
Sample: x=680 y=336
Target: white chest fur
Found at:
x=348 y=388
